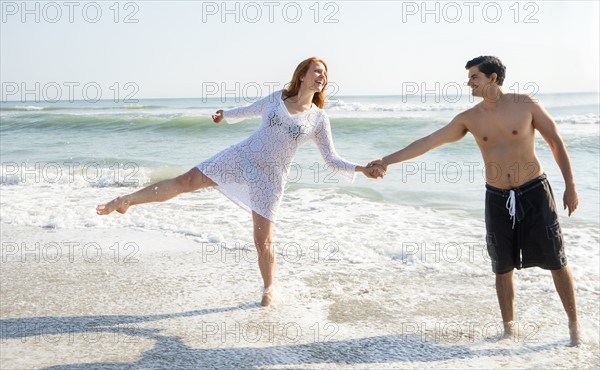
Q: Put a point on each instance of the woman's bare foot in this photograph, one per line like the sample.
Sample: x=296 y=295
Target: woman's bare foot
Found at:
x=267 y=297
x=119 y=204
x=574 y=333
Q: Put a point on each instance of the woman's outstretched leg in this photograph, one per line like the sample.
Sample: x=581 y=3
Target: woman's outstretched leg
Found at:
x=159 y=192
x=263 y=236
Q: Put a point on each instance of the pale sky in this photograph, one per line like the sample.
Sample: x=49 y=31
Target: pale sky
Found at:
x=177 y=49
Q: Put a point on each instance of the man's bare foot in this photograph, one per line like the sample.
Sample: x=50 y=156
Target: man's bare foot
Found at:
x=575 y=334
x=119 y=204
x=267 y=297
x=509 y=330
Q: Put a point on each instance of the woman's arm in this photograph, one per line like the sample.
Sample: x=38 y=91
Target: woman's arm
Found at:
x=324 y=141
x=239 y=114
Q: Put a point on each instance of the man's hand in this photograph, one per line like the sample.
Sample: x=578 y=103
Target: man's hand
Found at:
x=374 y=171
x=378 y=163
x=218 y=116
x=570 y=199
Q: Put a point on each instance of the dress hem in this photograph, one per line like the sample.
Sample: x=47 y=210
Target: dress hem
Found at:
x=234 y=199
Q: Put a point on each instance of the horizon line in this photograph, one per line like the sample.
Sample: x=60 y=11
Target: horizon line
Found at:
x=242 y=97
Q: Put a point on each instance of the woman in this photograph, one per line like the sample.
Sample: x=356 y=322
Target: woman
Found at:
x=253 y=172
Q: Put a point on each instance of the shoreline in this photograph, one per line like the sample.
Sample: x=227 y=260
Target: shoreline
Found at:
x=174 y=304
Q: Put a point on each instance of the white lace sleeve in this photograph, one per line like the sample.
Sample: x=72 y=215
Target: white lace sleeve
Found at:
x=236 y=115
x=324 y=142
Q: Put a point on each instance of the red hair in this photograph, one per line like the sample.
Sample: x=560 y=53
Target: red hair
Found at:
x=293 y=87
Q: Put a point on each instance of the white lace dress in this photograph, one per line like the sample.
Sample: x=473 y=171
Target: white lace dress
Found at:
x=253 y=172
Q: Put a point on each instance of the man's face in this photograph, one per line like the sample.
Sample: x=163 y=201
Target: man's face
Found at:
x=478 y=82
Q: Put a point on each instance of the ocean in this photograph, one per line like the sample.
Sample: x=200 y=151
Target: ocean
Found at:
x=399 y=261
x=79 y=145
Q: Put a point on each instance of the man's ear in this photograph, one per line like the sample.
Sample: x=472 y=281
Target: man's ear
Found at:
x=494 y=77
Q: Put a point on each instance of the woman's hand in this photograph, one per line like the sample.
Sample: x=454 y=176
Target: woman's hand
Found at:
x=372 y=171
x=378 y=163
x=218 y=116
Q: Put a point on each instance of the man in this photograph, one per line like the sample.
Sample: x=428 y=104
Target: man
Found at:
x=521 y=219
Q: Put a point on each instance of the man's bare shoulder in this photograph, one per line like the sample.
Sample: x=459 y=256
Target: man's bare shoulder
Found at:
x=467 y=116
x=519 y=99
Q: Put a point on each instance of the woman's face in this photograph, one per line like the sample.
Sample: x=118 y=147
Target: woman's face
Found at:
x=315 y=78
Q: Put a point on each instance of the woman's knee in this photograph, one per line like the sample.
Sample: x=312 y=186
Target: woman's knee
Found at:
x=264 y=248
x=192 y=180
x=184 y=182
x=262 y=238
x=263 y=241
x=263 y=229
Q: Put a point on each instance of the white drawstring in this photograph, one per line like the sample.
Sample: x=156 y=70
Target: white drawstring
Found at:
x=511 y=205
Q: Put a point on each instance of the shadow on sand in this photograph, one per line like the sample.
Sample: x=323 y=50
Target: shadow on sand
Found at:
x=169 y=352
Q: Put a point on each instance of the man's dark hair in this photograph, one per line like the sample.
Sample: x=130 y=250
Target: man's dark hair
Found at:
x=488 y=65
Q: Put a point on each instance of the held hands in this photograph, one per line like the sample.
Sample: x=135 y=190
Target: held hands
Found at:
x=375 y=169
x=218 y=116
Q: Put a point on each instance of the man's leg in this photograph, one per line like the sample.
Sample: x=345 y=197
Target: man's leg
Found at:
x=563 y=281
x=505 y=290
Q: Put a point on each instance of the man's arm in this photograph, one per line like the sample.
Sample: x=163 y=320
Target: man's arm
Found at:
x=453 y=131
x=547 y=127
